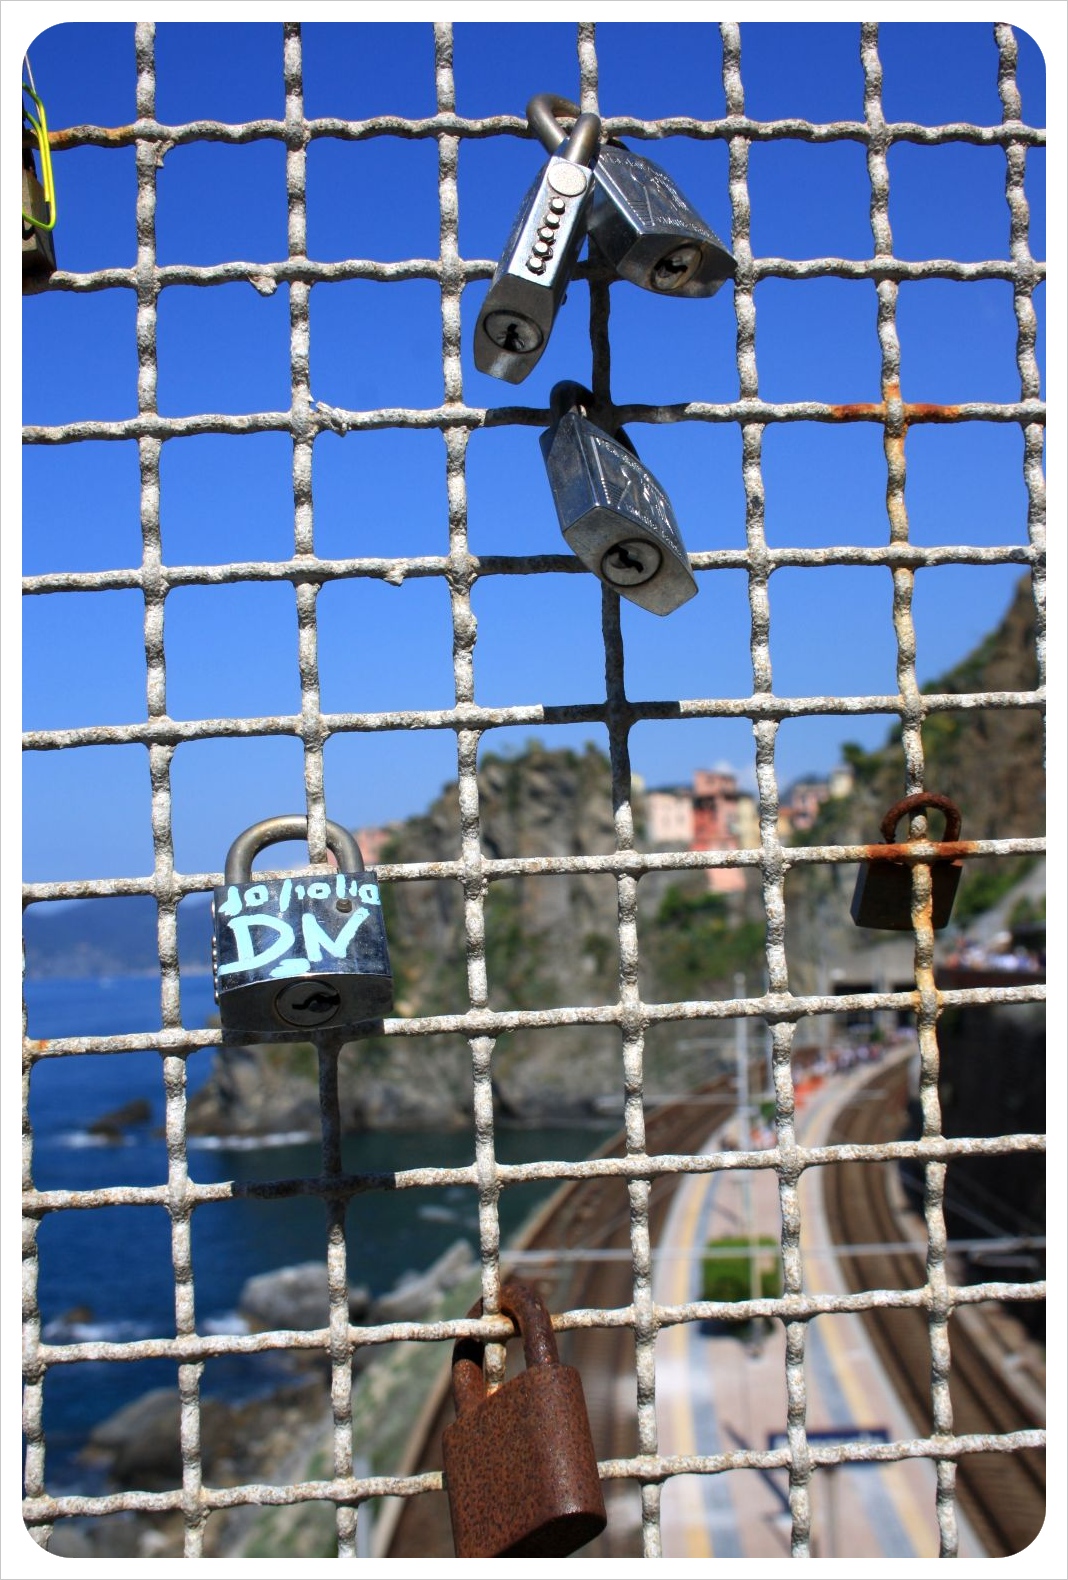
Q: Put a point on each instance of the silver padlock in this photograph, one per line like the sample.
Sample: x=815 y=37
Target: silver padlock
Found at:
x=520 y=307
x=614 y=514
x=640 y=220
x=299 y=953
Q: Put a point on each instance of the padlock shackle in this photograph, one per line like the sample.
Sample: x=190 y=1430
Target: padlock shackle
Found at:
x=568 y=396
x=532 y=1321
x=916 y=803
x=584 y=143
x=541 y=117
x=273 y=830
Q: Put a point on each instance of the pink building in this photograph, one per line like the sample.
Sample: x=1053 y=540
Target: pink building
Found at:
x=712 y=814
x=669 y=816
x=371 y=842
x=802 y=802
x=715 y=823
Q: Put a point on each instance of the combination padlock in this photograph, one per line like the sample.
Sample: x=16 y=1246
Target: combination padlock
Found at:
x=883 y=894
x=299 y=953
x=520 y=1468
x=614 y=514
x=520 y=307
x=640 y=220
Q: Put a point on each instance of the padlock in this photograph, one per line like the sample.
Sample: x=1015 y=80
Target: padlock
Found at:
x=640 y=220
x=520 y=307
x=300 y=953
x=520 y=1468
x=883 y=894
x=38 y=247
x=613 y=512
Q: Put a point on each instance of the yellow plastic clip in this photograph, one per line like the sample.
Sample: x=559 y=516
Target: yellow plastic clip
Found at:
x=39 y=126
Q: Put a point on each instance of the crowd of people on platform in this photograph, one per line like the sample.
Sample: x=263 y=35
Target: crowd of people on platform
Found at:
x=1002 y=953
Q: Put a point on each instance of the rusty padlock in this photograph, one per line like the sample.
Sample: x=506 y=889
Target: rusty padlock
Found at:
x=883 y=895
x=520 y=1467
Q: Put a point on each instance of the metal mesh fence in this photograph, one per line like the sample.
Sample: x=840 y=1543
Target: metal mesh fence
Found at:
x=777 y=1007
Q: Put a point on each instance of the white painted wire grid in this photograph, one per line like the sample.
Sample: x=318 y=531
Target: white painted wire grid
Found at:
x=778 y=1007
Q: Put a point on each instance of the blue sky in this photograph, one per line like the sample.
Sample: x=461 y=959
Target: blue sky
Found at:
x=232 y=651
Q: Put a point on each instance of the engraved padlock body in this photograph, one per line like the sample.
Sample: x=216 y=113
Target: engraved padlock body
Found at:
x=520 y=1466
x=612 y=511
x=882 y=897
x=649 y=232
x=300 y=953
x=542 y=249
x=640 y=219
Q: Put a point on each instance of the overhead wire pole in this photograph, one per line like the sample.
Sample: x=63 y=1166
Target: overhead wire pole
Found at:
x=745 y=1133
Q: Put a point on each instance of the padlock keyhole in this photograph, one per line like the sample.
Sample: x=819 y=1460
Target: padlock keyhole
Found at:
x=631 y=563
x=676 y=268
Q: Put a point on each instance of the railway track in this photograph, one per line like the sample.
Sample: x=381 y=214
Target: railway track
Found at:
x=1002 y=1495
x=591 y=1215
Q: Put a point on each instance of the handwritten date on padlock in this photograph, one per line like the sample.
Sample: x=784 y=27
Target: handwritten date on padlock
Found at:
x=244 y=911
x=306 y=952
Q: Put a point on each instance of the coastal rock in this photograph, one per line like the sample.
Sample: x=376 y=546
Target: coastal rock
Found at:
x=118 y=1536
x=128 y=1116
x=267 y=1090
x=295 y=1297
x=549 y=940
x=140 y=1444
x=415 y=1293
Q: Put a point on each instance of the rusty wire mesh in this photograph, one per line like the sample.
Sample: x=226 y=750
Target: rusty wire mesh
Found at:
x=777 y=1006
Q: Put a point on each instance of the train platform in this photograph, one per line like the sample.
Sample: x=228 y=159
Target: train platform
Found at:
x=715 y=1394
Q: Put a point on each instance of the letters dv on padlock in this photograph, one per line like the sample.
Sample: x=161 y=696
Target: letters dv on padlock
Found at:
x=640 y=220
x=883 y=893
x=299 y=953
x=520 y=307
x=520 y=1467
x=614 y=514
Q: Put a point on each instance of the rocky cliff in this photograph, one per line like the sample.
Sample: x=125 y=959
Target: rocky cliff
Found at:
x=990 y=761
x=551 y=940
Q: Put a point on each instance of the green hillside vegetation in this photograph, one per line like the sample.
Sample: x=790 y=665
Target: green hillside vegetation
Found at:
x=698 y=944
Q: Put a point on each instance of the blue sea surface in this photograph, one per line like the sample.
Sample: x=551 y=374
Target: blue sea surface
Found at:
x=106 y=1272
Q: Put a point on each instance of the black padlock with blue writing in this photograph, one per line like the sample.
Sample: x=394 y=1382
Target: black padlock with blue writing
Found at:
x=304 y=952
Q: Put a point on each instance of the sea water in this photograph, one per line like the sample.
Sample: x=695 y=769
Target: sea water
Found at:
x=106 y=1272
